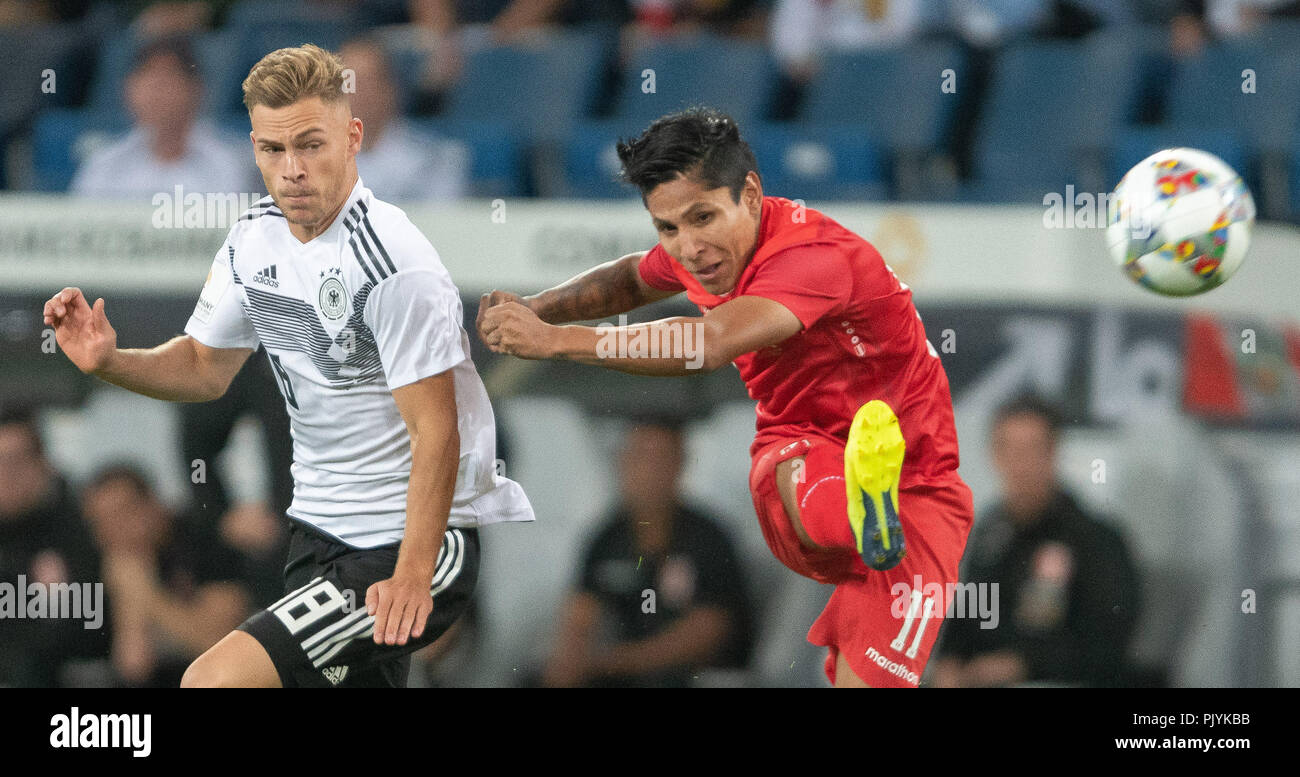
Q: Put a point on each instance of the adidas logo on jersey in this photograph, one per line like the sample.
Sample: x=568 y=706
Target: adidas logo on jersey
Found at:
x=266 y=277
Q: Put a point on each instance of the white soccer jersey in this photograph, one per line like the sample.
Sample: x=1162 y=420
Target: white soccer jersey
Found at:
x=362 y=309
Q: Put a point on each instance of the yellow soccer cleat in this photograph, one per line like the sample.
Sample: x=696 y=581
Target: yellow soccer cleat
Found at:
x=873 y=460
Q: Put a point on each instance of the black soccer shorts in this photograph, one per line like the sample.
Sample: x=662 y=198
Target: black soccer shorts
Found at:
x=319 y=634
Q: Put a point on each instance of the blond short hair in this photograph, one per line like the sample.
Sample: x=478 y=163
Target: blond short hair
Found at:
x=286 y=76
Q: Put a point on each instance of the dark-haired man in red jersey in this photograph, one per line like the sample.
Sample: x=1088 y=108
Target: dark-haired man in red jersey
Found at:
x=854 y=474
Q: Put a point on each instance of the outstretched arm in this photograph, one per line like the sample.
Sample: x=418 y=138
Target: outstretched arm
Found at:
x=180 y=370
x=605 y=290
x=672 y=346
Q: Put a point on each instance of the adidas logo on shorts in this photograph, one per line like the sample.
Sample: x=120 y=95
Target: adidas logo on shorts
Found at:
x=335 y=674
x=266 y=277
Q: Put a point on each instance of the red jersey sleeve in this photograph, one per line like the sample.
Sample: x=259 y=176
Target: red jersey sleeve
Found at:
x=657 y=271
x=812 y=281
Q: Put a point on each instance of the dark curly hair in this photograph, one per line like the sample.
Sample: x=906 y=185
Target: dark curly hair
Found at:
x=1032 y=404
x=700 y=143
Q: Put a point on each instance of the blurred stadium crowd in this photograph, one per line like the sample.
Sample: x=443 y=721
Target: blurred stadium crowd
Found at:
x=661 y=594
x=967 y=100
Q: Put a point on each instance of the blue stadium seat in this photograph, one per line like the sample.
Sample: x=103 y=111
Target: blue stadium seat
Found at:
x=730 y=75
x=496 y=154
x=407 y=62
x=34 y=57
x=255 y=13
x=894 y=93
x=1278 y=33
x=590 y=163
x=222 y=73
x=812 y=163
x=234 y=127
x=111 y=70
x=542 y=88
x=817 y=163
x=58 y=143
x=1206 y=92
x=1052 y=110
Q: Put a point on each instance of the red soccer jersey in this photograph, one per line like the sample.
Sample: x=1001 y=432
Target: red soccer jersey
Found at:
x=862 y=339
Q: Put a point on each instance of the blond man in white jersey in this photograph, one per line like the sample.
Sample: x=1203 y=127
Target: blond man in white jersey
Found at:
x=394 y=437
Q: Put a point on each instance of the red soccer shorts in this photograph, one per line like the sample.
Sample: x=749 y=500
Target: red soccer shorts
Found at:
x=885 y=623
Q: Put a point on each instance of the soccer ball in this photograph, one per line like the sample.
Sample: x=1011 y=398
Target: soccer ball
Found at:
x=1180 y=222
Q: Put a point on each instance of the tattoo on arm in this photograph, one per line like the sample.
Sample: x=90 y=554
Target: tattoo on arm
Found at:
x=604 y=290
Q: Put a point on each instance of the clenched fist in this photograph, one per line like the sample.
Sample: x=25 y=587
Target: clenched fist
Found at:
x=507 y=325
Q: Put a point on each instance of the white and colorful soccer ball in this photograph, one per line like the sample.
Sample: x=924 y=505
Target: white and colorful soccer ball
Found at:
x=1180 y=222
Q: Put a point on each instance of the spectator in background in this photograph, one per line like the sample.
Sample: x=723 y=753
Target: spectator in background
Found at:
x=152 y=18
x=988 y=24
x=742 y=18
x=397 y=162
x=42 y=540
x=173 y=17
x=172 y=584
x=1187 y=29
x=1231 y=18
x=1077 y=18
x=443 y=29
x=501 y=20
x=16 y=13
x=446 y=29
x=170 y=145
x=660 y=580
x=1068 y=588
x=1195 y=22
x=256 y=529
x=47 y=53
x=803 y=31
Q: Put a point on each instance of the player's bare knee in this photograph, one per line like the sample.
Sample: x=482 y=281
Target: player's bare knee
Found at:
x=221 y=666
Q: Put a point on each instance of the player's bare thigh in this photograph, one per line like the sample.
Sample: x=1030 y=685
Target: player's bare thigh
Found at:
x=237 y=661
x=787 y=474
